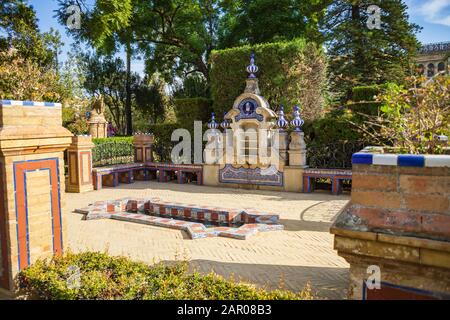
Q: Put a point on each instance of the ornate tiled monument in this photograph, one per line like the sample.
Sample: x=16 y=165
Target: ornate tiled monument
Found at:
x=396 y=228
x=32 y=141
x=254 y=150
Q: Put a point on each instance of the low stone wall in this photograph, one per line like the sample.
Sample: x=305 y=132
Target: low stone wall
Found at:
x=398 y=220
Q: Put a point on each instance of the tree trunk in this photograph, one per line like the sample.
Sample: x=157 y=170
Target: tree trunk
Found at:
x=128 y=113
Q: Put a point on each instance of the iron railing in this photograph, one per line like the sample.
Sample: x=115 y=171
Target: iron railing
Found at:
x=337 y=155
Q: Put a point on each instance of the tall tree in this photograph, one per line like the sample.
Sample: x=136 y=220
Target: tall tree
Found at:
x=109 y=26
x=178 y=36
x=19 y=31
x=361 y=54
x=258 y=21
x=107 y=76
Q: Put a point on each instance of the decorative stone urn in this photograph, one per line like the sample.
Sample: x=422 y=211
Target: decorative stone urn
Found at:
x=395 y=232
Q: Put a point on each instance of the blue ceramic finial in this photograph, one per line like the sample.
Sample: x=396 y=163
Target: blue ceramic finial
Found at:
x=252 y=68
x=297 y=122
x=225 y=124
x=282 y=123
x=213 y=124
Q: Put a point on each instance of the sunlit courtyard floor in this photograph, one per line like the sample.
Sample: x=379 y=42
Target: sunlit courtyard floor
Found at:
x=302 y=253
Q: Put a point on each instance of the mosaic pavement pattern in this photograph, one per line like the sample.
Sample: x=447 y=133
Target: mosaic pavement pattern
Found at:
x=231 y=223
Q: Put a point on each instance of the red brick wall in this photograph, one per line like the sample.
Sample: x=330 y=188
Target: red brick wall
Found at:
x=405 y=199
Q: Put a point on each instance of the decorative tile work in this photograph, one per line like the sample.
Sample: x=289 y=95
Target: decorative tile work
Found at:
x=367 y=156
x=247 y=110
x=20 y=187
x=28 y=103
x=230 y=174
x=165 y=214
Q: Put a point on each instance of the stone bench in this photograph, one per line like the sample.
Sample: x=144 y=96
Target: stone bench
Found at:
x=335 y=175
x=111 y=176
x=230 y=223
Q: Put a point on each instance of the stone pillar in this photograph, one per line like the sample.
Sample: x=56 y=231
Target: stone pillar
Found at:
x=283 y=141
x=98 y=128
x=143 y=146
x=79 y=157
x=32 y=219
x=396 y=229
x=297 y=149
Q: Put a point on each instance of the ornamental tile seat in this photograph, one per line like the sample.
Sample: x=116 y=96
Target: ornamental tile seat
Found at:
x=111 y=176
x=197 y=221
x=336 y=175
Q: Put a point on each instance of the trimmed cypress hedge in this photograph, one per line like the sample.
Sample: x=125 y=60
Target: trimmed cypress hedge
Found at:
x=290 y=73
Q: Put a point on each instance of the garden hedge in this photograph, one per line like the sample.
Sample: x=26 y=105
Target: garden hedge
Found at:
x=163 y=133
x=290 y=73
x=187 y=110
x=112 y=150
x=93 y=275
x=366 y=93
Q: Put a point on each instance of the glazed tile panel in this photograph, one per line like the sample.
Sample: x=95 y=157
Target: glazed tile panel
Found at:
x=237 y=224
x=366 y=156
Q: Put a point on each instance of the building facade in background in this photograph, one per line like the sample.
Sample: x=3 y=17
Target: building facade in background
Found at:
x=434 y=58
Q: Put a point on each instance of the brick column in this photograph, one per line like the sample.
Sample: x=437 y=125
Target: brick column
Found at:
x=143 y=143
x=398 y=222
x=79 y=156
x=32 y=141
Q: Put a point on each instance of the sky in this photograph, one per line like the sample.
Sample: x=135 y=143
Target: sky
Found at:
x=432 y=15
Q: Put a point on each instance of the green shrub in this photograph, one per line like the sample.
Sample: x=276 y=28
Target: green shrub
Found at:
x=105 y=277
x=188 y=110
x=367 y=93
x=113 y=150
x=290 y=73
x=365 y=107
x=128 y=139
x=163 y=145
x=330 y=129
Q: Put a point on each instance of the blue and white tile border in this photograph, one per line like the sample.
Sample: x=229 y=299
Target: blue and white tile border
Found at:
x=370 y=155
x=5 y=103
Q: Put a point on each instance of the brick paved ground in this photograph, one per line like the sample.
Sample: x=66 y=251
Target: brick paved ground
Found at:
x=299 y=254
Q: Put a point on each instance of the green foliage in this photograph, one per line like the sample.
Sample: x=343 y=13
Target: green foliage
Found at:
x=413 y=117
x=114 y=150
x=367 y=93
x=74 y=121
x=103 y=277
x=189 y=110
x=261 y=21
x=151 y=99
x=331 y=129
x=98 y=141
x=23 y=79
x=163 y=144
x=193 y=86
x=19 y=30
x=365 y=107
x=361 y=56
x=291 y=73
